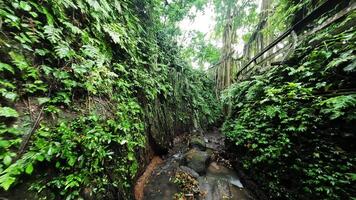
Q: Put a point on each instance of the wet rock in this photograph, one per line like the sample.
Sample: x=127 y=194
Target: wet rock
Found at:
x=197 y=160
x=161 y=126
x=213 y=188
x=198 y=142
x=206 y=185
x=189 y=171
x=221 y=172
x=160 y=188
x=221 y=190
x=214 y=166
x=214 y=181
x=240 y=194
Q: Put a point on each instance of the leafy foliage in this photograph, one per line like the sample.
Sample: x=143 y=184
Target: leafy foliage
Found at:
x=8 y=112
x=93 y=66
x=293 y=127
x=201 y=51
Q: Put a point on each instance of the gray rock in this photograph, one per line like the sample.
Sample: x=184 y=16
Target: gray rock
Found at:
x=221 y=172
x=197 y=160
x=221 y=190
x=214 y=188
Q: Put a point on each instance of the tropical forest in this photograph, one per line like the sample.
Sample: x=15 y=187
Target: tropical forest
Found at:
x=177 y=100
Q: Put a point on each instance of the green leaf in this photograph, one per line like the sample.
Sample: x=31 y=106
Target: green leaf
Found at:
x=351 y=67
x=123 y=142
x=8 y=112
x=130 y=156
x=71 y=161
x=4 y=66
x=7 y=160
x=6 y=182
x=33 y=14
x=52 y=34
x=40 y=158
x=42 y=100
x=9 y=95
x=64 y=51
x=19 y=60
x=352 y=176
x=25 y=6
x=4 y=143
x=29 y=169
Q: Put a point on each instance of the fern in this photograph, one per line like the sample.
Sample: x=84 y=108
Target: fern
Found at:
x=19 y=60
x=116 y=32
x=66 y=3
x=336 y=107
x=73 y=28
x=21 y=63
x=64 y=51
x=52 y=34
x=6 y=67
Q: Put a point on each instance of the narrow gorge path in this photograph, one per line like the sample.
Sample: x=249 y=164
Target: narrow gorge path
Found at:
x=193 y=169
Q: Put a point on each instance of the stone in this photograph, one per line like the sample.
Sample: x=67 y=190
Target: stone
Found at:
x=221 y=190
x=222 y=172
x=197 y=160
x=189 y=171
x=213 y=188
x=214 y=166
x=198 y=142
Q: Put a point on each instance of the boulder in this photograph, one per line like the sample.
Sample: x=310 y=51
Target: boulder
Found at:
x=198 y=142
x=213 y=188
x=197 y=160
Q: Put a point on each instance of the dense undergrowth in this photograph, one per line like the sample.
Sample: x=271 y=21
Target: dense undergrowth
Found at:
x=293 y=128
x=91 y=71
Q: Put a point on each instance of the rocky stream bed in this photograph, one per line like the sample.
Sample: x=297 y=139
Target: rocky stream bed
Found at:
x=193 y=169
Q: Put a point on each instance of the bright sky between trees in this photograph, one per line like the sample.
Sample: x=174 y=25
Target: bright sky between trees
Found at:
x=204 y=22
